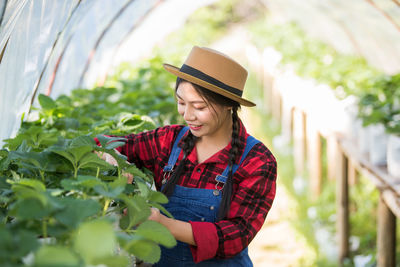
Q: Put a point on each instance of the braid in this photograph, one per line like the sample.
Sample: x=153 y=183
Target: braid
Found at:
x=189 y=142
x=233 y=154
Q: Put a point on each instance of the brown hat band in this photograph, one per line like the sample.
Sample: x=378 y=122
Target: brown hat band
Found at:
x=201 y=75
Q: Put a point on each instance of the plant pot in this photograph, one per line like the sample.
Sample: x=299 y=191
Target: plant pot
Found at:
x=378 y=144
x=363 y=138
x=393 y=155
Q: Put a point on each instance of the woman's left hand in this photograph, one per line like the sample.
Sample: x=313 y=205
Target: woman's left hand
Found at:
x=155 y=215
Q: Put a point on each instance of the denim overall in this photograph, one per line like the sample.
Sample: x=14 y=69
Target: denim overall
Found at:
x=196 y=204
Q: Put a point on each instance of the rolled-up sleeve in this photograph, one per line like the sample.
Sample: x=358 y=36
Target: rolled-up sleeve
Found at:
x=206 y=238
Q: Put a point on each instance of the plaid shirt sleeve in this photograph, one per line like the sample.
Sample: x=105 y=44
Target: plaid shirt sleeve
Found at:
x=151 y=149
x=254 y=192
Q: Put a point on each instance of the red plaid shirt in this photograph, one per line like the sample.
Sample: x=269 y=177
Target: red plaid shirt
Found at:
x=254 y=187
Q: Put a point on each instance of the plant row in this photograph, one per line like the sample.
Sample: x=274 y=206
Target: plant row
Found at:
x=60 y=203
x=377 y=93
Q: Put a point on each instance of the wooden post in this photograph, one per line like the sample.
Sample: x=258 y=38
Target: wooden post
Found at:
x=342 y=206
x=353 y=174
x=299 y=137
x=276 y=103
x=386 y=239
x=332 y=151
x=314 y=146
x=267 y=84
x=287 y=120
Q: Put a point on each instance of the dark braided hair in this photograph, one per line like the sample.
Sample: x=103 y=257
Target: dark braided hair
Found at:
x=233 y=154
x=190 y=141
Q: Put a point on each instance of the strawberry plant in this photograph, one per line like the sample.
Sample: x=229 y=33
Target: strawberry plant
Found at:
x=381 y=105
x=60 y=203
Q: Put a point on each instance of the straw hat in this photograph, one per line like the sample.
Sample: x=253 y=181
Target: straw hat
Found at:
x=214 y=71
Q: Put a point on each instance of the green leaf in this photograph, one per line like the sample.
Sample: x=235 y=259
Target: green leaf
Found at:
x=114 y=261
x=82 y=141
x=111 y=190
x=56 y=256
x=156 y=232
x=161 y=208
x=145 y=250
x=16 y=243
x=24 y=192
x=95 y=240
x=158 y=197
x=27 y=209
x=46 y=102
x=91 y=160
x=76 y=210
x=113 y=145
x=143 y=187
x=138 y=209
x=137 y=172
x=35 y=184
x=81 y=183
x=66 y=155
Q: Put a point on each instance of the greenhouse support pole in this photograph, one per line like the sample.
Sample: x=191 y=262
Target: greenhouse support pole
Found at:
x=342 y=208
x=314 y=147
x=299 y=138
x=386 y=239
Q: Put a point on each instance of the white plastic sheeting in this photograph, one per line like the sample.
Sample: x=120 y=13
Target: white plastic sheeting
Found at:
x=370 y=28
x=51 y=46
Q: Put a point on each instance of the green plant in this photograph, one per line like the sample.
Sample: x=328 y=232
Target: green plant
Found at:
x=382 y=104
x=62 y=203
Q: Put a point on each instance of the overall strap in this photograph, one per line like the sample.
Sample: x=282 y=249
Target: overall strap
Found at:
x=175 y=151
x=250 y=142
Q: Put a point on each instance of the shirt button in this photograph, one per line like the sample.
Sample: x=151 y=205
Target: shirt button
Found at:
x=202 y=219
x=212 y=208
x=198 y=170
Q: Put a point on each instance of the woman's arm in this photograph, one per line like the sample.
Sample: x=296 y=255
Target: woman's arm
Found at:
x=181 y=230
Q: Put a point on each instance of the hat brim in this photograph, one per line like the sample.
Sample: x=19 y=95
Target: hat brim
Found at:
x=176 y=71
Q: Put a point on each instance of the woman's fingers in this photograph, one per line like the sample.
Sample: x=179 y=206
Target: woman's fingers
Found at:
x=155 y=215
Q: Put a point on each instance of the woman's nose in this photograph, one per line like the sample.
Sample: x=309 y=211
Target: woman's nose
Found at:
x=188 y=115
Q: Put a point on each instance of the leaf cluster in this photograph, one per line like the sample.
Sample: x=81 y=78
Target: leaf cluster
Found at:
x=61 y=204
x=382 y=104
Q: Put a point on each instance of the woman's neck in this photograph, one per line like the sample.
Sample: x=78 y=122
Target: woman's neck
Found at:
x=209 y=145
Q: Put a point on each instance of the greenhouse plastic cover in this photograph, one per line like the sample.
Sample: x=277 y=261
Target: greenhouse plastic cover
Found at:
x=50 y=47
x=370 y=28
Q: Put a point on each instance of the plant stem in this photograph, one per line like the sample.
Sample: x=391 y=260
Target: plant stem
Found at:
x=106 y=206
x=98 y=171
x=44 y=228
x=75 y=172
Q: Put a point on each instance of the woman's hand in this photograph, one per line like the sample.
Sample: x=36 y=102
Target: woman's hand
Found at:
x=181 y=230
x=155 y=215
x=106 y=157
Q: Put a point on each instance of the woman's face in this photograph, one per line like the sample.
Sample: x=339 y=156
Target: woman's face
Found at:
x=203 y=118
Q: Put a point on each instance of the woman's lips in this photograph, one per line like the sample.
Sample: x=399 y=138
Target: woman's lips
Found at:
x=195 y=127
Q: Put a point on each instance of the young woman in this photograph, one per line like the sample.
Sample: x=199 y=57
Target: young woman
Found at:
x=219 y=180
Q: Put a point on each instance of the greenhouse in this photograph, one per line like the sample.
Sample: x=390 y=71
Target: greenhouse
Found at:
x=304 y=171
